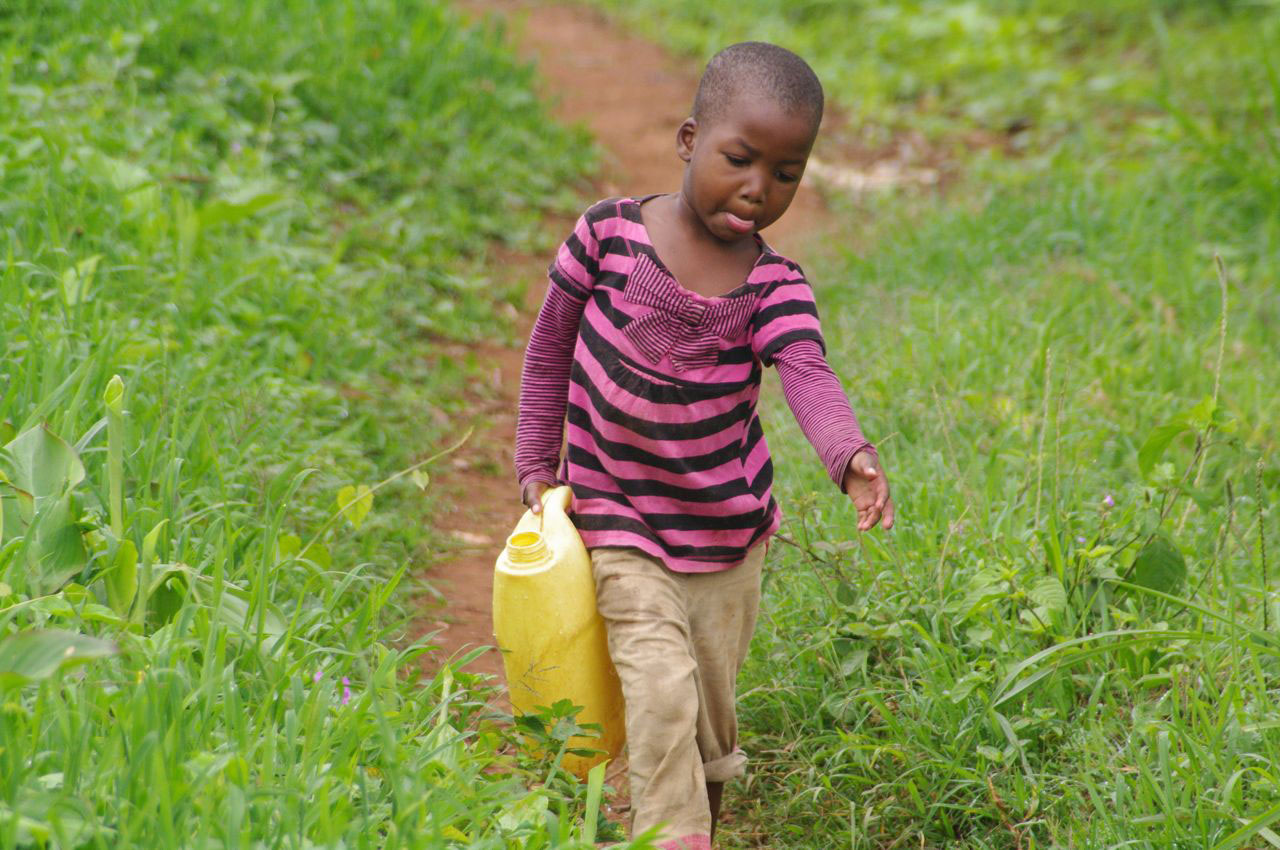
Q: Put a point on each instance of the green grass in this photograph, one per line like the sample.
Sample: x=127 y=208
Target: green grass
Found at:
x=1046 y=67
x=1022 y=663
x=260 y=216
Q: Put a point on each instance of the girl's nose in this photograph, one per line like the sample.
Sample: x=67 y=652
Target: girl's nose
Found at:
x=753 y=188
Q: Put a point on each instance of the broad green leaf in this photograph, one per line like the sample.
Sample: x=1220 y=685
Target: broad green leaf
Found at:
x=37 y=654
x=420 y=478
x=990 y=753
x=240 y=204
x=290 y=546
x=122 y=579
x=355 y=503
x=42 y=463
x=152 y=540
x=318 y=554
x=283 y=83
x=77 y=280
x=526 y=810
x=144 y=349
x=168 y=592
x=287 y=546
x=233 y=609
x=1160 y=566
x=37 y=504
x=1203 y=414
x=53 y=542
x=1154 y=446
x=1049 y=593
x=119 y=174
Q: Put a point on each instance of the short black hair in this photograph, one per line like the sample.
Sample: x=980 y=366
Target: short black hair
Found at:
x=762 y=69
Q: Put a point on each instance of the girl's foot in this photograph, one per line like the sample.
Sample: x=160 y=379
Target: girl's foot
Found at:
x=688 y=842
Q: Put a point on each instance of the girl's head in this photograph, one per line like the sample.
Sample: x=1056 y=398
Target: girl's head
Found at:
x=754 y=121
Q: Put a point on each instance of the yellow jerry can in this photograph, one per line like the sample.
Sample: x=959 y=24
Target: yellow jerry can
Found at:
x=552 y=638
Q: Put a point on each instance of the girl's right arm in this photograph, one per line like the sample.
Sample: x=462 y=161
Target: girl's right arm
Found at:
x=544 y=393
x=548 y=361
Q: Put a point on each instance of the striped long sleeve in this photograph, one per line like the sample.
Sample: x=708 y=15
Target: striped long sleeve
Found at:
x=544 y=387
x=548 y=360
x=652 y=387
x=818 y=402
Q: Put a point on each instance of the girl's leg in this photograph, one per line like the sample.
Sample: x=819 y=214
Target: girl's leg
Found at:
x=678 y=641
x=722 y=616
x=644 y=608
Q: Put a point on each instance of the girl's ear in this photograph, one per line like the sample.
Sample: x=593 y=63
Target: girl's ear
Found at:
x=684 y=139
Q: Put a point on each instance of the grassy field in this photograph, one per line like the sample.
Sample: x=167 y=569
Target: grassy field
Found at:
x=263 y=217
x=230 y=237
x=1072 y=638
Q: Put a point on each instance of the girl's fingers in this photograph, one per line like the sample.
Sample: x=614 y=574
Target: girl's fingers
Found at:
x=887 y=520
x=532 y=497
x=867 y=519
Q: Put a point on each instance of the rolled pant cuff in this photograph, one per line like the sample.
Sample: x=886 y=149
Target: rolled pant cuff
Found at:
x=726 y=767
x=696 y=841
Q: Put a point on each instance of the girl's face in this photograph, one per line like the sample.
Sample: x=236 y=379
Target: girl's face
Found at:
x=743 y=167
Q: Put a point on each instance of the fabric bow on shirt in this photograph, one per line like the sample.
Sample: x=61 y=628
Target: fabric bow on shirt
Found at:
x=680 y=325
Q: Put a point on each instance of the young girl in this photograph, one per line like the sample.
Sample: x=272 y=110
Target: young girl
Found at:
x=660 y=314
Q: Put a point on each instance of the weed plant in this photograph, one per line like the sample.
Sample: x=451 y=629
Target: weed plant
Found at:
x=230 y=234
x=1071 y=637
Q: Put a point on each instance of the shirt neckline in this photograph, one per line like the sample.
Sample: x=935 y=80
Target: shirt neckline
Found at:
x=737 y=291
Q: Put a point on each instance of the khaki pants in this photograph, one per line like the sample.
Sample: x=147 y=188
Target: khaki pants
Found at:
x=678 y=641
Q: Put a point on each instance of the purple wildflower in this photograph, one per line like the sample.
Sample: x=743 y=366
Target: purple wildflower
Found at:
x=346 y=690
x=1080 y=540
x=317 y=677
x=1108 y=502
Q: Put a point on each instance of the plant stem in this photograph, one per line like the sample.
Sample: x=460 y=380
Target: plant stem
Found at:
x=113 y=399
x=1217 y=378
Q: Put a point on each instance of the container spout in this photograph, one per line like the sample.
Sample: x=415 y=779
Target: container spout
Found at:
x=527 y=550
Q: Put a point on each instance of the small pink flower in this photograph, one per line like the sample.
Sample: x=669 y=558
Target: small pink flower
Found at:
x=317 y=677
x=1108 y=502
x=346 y=690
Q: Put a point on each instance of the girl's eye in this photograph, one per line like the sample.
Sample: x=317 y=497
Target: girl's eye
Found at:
x=785 y=177
x=736 y=160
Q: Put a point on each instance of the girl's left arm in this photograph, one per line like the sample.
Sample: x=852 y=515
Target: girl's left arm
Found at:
x=817 y=400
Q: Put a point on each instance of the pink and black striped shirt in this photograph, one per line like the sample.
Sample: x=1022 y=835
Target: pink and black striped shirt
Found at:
x=665 y=450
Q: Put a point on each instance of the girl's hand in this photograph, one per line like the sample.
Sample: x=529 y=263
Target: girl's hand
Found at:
x=532 y=495
x=868 y=489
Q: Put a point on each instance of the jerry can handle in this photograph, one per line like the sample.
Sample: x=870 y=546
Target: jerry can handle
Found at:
x=558 y=498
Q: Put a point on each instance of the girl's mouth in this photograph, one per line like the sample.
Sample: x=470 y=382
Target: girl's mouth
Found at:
x=739 y=225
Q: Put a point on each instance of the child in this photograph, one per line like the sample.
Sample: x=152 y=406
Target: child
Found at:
x=660 y=314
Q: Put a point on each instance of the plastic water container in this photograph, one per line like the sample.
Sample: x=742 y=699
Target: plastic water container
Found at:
x=551 y=636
